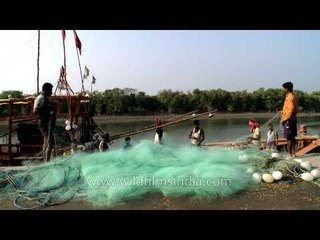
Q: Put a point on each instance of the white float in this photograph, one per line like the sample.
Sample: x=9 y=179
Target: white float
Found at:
x=307 y=176
x=68 y=127
x=67 y=122
x=315 y=173
x=277 y=175
x=306 y=165
x=267 y=178
x=256 y=177
x=243 y=158
x=275 y=155
x=250 y=170
x=297 y=160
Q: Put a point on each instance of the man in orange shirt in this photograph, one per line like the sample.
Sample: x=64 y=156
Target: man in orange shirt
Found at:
x=289 y=117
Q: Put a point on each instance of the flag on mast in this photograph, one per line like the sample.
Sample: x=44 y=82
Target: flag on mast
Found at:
x=63 y=35
x=93 y=80
x=86 y=72
x=78 y=42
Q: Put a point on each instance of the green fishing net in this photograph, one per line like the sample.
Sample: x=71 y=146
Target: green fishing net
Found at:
x=117 y=175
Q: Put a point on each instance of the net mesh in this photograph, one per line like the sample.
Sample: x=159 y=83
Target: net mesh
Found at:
x=107 y=178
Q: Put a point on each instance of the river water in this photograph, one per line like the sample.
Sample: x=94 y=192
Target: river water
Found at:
x=228 y=129
x=216 y=129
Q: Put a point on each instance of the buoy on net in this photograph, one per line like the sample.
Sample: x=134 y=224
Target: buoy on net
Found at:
x=315 y=173
x=275 y=155
x=256 y=177
x=250 y=170
x=307 y=176
x=277 y=175
x=267 y=178
x=306 y=165
x=243 y=158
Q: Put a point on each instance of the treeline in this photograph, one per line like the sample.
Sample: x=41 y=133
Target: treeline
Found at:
x=131 y=101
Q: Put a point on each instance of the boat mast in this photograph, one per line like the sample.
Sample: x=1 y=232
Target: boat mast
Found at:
x=78 y=48
x=64 y=54
x=38 y=66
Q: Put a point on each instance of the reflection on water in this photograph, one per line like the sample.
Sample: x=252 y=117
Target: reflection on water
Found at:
x=229 y=129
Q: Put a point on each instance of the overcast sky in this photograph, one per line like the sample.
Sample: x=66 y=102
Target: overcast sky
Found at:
x=153 y=60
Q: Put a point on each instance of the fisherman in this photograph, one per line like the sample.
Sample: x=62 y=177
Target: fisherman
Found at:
x=196 y=134
x=256 y=134
x=44 y=107
x=158 y=136
x=104 y=143
x=272 y=138
x=289 y=117
x=159 y=132
x=127 y=143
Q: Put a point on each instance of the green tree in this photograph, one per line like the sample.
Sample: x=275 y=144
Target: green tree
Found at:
x=11 y=94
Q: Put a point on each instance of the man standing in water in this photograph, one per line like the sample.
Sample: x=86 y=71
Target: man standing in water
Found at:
x=289 y=117
x=44 y=107
x=197 y=134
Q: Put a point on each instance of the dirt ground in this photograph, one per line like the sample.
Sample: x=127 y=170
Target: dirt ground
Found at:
x=277 y=196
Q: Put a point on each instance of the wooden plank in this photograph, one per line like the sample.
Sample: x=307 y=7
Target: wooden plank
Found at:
x=281 y=141
x=308 y=148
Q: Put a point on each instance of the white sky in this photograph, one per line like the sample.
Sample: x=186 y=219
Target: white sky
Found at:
x=153 y=60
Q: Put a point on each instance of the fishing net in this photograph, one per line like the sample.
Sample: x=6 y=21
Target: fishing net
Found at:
x=117 y=175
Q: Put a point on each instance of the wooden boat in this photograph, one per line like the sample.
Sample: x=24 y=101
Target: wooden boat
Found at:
x=23 y=140
x=306 y=144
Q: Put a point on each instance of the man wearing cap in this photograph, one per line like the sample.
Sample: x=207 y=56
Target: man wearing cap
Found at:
x=44 y=107
x=289 y=117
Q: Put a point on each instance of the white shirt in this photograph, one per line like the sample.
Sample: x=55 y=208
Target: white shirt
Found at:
x=157 y=139
x=195 y=135
x=271 y=135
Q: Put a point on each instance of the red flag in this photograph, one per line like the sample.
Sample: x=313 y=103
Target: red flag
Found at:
x=63 y=34
x=158 y=121
x=78 y=42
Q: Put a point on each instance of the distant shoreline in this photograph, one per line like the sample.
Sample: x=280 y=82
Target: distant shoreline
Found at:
x=121 y=118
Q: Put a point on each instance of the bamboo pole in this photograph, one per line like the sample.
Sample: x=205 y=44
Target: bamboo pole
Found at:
x=10 y=132
x=154 y=125
x=138 y=131
x=64 y=60
x=38 y=65
x=263 y=141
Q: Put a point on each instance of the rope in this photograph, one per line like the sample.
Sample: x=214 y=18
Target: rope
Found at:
x=33 y=198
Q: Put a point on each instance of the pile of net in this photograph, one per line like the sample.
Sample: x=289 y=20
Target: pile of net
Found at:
x=118 y=175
